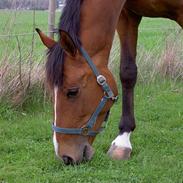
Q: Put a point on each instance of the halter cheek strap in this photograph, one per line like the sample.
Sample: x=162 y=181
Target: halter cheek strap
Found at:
x=108 y=95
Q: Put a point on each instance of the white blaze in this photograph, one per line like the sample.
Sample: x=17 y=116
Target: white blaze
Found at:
x=55 y=110
x=123 y=140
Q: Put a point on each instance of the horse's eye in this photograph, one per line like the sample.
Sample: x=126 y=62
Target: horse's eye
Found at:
x=72 y=92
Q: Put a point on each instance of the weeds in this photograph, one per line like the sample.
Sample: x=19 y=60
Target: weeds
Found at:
x=15 y=87
x=164 y=61
x=22 y=62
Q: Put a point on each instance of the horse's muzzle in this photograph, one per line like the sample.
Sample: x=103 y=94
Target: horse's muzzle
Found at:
x=86 y=155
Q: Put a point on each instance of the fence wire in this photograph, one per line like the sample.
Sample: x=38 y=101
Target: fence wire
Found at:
x=56 y=31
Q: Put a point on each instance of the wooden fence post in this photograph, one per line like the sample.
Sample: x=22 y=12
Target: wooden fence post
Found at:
x=51 y=17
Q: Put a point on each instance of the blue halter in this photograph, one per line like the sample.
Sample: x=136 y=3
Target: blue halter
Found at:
x=108 y=95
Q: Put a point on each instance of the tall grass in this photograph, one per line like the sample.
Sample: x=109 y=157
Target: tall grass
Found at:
x=162 y=61
x=14 y=86
x=22 y=58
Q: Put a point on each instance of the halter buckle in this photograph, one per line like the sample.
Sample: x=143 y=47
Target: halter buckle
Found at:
x=115 y=99
x=101 y=80
x=84 y=131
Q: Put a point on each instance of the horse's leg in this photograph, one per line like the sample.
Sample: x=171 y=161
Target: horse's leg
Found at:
x=128 y=30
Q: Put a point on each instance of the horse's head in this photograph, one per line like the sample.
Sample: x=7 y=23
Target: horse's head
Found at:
x=83 y=92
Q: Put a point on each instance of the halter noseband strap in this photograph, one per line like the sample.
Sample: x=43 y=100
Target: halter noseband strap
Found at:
x=108 y=95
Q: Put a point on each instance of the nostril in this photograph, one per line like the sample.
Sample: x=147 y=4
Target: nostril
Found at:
x=67 y=160
x=85 y=152
x=88 y=153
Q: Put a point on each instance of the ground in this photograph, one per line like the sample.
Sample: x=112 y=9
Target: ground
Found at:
x=27 y=153
x=26 y=149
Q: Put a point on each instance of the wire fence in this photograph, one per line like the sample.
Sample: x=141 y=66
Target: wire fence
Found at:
x=10 y=39
x=22 y=55
x=22 y=34
x=56 y=31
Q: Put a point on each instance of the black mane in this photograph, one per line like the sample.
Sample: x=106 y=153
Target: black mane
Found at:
x=69 y=22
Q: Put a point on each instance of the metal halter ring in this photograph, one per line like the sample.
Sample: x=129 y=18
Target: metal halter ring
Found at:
x=101 y=80
x=84 y=131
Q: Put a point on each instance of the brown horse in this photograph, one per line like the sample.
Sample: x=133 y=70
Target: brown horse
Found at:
x=91 y=24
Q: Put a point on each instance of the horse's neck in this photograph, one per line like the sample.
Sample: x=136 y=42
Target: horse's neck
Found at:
x=98 y=24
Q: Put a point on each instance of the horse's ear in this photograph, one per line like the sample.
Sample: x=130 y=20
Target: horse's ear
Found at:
x=67 y=43
x=47 y=41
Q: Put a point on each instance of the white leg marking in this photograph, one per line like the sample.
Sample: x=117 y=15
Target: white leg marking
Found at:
x=123 y=140
x=55 y=143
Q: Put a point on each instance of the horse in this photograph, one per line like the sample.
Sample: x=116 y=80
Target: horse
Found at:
x=77 y=71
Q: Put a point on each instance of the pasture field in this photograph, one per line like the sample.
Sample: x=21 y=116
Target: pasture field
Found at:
x=27 y=155
x=20 y=23
x=152 y=33
x=26 y=150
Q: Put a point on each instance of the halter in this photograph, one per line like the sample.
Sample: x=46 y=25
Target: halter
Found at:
x=108 y=95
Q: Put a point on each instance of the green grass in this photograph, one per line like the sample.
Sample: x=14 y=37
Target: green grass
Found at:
x=20 y=22
x=26 y=150
x=27 y=155
x=152 y=32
